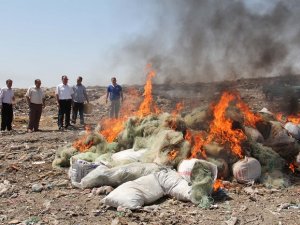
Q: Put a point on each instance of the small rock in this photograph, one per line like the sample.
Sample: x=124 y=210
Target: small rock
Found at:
x=37 y=188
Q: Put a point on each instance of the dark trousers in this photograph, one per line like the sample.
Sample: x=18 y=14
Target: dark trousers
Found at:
x=64 y=112
x=6 y=116
x=35 y=112
x=77 y=107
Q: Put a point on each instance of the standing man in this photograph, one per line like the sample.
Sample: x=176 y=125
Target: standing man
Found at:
x=6 y=103
x=36 y=100
x=80 y=96
x=64 y=95
x=115 y=94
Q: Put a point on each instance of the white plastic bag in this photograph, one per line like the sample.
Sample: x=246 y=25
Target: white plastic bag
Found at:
x=135 y=194
x=117 y=175
x=185 y=168
x=246 y=170
x=174 y=184
x=128 y=156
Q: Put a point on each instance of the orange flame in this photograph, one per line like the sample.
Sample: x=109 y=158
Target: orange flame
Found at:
x=218 y=184
x=279 y=117
x=294 y=119
x=172 y=154
x=293 y=166
x=188 y=136
x=177 y=110
x=221 y=127
x=148 y=106
x=81 y=144
x=250 y=118
x=198 y=139
x=112 y=127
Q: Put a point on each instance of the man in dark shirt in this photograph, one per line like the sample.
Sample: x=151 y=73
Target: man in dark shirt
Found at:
x=115 y=94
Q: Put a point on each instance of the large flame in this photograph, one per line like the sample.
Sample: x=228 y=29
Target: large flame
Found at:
x=221 y=127
x=148 y=106
x=110 y=128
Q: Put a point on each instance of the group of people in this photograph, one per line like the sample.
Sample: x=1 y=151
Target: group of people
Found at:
x=68 y=98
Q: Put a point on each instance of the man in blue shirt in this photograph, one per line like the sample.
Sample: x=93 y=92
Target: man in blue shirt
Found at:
x=115 y=94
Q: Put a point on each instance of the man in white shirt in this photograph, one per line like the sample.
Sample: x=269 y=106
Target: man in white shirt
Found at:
x=6 y=103
x=36 y=100
x=64 y=95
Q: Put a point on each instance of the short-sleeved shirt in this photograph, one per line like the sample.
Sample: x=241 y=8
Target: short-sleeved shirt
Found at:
x=36 y=95
x=114 y=92
x=64 y=92
x=6 y=95
x=79 y=93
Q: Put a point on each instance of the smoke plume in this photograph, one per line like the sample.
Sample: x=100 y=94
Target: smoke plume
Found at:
x=215 y=40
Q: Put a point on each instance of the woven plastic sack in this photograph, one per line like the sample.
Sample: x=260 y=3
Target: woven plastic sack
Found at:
x=186 y=168
x=135 y=194
x=117 y=175
x=174 y=184
x=246 y=170
x=254 y=134
x=127 y=156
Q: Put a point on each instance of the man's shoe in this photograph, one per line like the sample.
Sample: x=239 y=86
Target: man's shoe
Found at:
x=60 y=128
x=29 y=130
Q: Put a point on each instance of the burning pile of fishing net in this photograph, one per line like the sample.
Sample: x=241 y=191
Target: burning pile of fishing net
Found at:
x=149 y=154
x=184 y=157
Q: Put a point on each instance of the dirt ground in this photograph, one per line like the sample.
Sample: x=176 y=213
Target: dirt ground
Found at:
x=32 y=192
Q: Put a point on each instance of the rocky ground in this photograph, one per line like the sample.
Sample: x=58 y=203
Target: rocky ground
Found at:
x=32 y=192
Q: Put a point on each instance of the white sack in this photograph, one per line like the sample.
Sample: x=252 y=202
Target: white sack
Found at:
x=174 y=184
x=185 y=168
x=135 y=194
x=128 y=155
x=293 y=129
x=117 y=175
x=246 y=170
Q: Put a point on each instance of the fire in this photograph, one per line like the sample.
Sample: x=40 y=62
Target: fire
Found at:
x=148 y=106
x=188 y=136
x=179 y=107
x=292 y=167
x=81 y=144
x=218 y=184
x=221 y=127
x=172 y=154
x=279 y=117
x=112 y=127
x=198 y=139
x=294 y=119
x=250 y=118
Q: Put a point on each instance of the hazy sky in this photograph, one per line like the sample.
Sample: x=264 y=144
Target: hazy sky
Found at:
x=186 y=40
x=49 y=38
